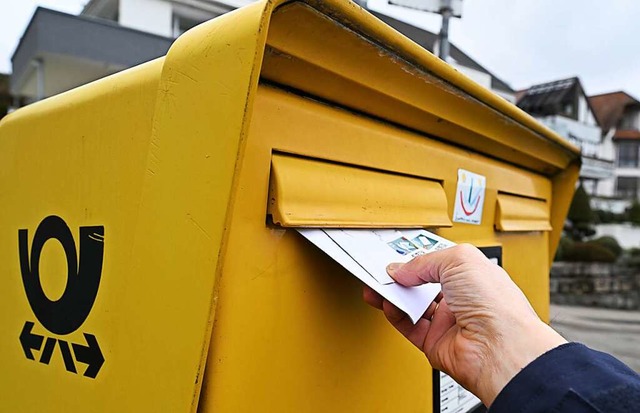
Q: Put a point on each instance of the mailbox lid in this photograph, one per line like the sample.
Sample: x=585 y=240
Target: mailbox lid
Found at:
x=312 y=193
x=517 y=214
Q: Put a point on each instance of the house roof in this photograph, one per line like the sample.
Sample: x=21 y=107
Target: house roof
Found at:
x=520 y=94
x=547 y=98
x=428 y=40
x=627 y=135
x=609 y=108
x=98 y=42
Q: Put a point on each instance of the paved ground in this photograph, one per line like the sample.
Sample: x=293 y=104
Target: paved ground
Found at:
x=613 y=331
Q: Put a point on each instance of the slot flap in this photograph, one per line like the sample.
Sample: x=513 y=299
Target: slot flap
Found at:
x=518 y=213
x=312 y=193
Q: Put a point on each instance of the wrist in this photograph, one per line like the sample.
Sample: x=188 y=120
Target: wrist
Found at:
x=513 y=353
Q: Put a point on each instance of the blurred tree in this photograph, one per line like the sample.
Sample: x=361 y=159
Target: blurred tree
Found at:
x=581 y=216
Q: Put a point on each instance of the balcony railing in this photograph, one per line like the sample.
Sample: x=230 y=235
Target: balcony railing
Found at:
x=596 y=168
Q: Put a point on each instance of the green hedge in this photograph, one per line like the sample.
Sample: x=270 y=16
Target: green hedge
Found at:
x=609 y=243
x=632 y=215
x=603 y=249
x=588 y=252
x=608 y=217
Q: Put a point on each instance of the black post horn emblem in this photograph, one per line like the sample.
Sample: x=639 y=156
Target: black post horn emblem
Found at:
x=66 y=314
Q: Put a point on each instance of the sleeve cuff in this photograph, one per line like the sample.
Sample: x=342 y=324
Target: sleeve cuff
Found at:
x=544 y=382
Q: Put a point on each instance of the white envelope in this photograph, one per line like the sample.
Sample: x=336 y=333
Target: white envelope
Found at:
x=371 y=249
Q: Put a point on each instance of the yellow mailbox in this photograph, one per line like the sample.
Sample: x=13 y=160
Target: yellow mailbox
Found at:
x=147 y=251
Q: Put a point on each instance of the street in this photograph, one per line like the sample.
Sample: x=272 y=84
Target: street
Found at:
x=613 y=331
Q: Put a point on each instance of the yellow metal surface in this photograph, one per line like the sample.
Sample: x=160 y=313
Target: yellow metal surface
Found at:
x=80 y=156
x=310 y=193
x=516 y=213
x=140 y=154
x=163 y=173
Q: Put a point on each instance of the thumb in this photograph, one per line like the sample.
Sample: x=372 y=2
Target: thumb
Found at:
x=430 y=268
x=418 y=271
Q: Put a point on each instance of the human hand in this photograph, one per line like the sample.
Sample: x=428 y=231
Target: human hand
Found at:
x=482 y=332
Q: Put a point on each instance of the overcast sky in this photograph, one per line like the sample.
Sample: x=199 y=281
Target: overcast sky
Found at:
x=521 y=41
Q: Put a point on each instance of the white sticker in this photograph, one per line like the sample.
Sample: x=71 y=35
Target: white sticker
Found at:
x=469 y=197
x=454 y=398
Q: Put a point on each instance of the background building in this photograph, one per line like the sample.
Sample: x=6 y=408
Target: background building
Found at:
x=59 y=51
x=619 y=116
x=166 y=18
x=563 y=106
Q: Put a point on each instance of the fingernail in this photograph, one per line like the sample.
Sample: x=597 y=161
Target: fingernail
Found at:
x=393 y=268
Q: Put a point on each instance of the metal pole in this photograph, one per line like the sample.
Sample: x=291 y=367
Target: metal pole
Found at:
x=443 y=37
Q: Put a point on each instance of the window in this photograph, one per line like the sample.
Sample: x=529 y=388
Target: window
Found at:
x=182 y=23
x=627 y=187
x=568 y=110
x=630 y=119
x=627 y=154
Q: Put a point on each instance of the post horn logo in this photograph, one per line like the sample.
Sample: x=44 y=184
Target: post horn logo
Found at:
x=65 y=315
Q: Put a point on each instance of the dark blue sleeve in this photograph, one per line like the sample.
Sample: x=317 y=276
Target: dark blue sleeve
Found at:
x=571 y=378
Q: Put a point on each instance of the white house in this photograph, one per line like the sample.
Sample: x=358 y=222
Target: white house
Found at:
x=619 y=116
x=59 y=51
x=563 y=106
x=168 y=18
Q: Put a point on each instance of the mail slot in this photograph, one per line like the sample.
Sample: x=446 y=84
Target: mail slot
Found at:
x=182 y=182
x=311 y=193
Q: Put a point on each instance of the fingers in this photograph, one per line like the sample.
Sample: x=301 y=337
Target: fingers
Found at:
x=371 y=297
x=443 y=320
x=432 y=307
x=430 y=310
x=430 y=268
x=415 y=333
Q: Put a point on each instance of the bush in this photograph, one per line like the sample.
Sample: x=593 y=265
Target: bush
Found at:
x=588 y=252
x=604 y=217
x=609 y=243
x=608 y=217
x=564 y=244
